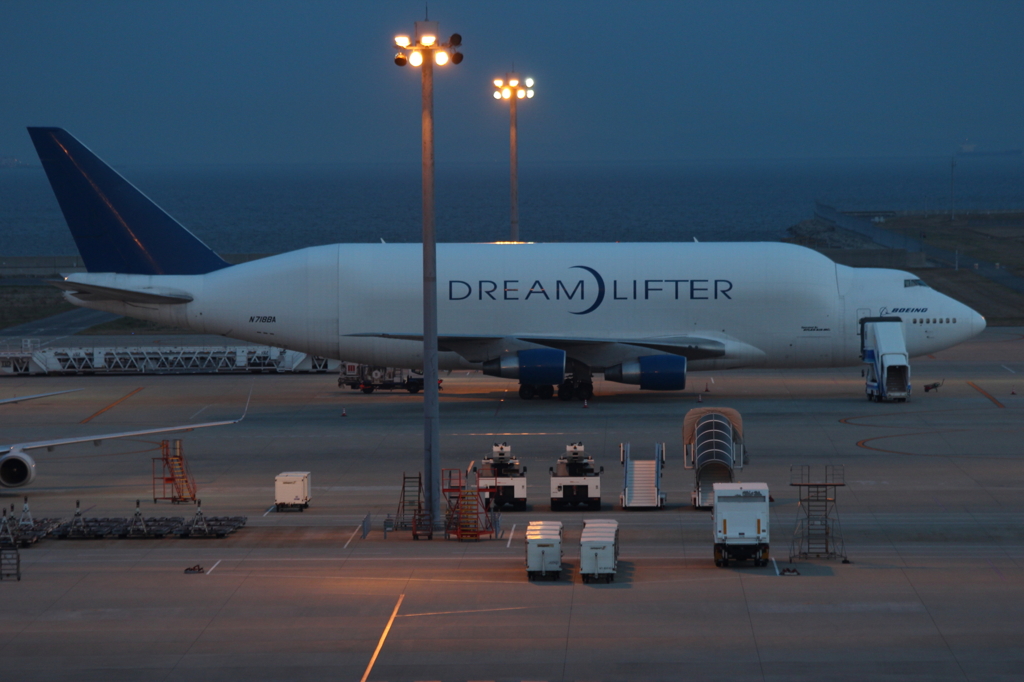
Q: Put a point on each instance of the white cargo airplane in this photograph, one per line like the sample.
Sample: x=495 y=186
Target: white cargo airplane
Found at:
x=18 y=469
x=549 y=315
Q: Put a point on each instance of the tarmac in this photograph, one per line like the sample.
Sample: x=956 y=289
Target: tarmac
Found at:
x=931 y=514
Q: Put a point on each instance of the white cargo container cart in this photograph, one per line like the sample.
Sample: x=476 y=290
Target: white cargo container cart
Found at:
x=741 y=523
x=291 y=490
x=502 y=473
x=599 y=550
x=713 y=448
x=544 y=549
x=574 y=481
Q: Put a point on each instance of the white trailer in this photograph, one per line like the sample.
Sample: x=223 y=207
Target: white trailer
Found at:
x=544 y=549
x=574 y=481
x=599 y=550
x=502 y=474
x=741 y=523
x=883 y=349
x=291 y=490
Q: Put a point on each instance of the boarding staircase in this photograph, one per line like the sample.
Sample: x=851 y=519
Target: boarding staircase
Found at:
x=642 y=479
x=410 y=504
x=174 y=481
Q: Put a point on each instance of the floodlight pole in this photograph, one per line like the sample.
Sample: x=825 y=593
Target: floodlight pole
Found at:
x=431 y=397
x=514 y=156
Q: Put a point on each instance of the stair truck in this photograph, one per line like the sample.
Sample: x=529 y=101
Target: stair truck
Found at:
x=713 y=448
x=641 y=479
x=367 y=378
x=741 y=523
x=544 y=549
x=599 y=550
x=883 y=349
x=502 y=473
x=574 y=482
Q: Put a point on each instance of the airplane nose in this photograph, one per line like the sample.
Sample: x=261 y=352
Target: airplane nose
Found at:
x=978 y=323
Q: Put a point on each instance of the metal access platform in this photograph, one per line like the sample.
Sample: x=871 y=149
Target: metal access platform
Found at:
x=818 y=533
x=713 y=448
x=32 y=360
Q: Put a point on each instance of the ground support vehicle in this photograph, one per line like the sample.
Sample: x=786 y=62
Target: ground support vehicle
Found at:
x=574 y=481
x=291 y=490
x=883 y=349
x=741 y=523
x=502 y=473
x=544 y=550
x=599 y=550
x=367 y=378
x=713 y=448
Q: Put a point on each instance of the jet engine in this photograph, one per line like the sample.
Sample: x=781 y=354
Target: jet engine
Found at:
x=536 y=366
x=16 y=469
x=652 y=372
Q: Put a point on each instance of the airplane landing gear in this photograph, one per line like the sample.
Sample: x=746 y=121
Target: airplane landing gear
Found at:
x=530 y=391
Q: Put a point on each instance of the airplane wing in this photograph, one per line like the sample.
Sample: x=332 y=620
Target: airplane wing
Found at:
x=37 y=395
x=481 y=348
x=99 y=438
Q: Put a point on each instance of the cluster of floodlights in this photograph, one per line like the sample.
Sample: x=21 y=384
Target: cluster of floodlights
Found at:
x=427 y=41
x=503 y=90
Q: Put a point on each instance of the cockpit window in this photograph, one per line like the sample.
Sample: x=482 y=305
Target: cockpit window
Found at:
x=914 y=283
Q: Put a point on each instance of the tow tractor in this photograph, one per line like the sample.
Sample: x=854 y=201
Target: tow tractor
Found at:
x=574 y=480
x=367 y=378
x=502 y=472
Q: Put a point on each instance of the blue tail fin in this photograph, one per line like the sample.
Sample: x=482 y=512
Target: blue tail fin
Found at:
x=116 y=227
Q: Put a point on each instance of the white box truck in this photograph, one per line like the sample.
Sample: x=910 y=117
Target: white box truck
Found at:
x=544 y=549
x=740 y=516
x=599 y=550
x=291 y=490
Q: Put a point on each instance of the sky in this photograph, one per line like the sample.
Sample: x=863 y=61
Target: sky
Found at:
x=260 y=81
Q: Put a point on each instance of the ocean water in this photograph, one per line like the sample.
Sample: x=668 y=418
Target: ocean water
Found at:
x=269 y=209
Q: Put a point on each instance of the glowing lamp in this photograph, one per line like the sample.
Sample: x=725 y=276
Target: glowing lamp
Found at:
x=441 y=57
x=520 y=93
x=513 y=82
x=529 y=93
x=498 y=82
x=529 y=82
x=506 y=92
x=428 y=40
x=402 y=41
x=497 y=95
x=416 y=58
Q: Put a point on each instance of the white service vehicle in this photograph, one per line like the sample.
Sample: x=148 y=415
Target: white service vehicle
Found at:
x=599 y=550
x=574 y=481
x=502 y=473
x=884 y=351
x=291 y=490
x=544 y=549
x=741 y=523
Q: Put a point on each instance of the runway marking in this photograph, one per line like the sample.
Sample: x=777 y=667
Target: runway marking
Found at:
x=863 y=443
x=214 y=566
x=1007 y=369
x=197 y=412
x=449 y=613
x=985 y=393
x=523 y=433
x=352 y=536
x=776 y=566
x=111 y=406
x=269 y=509
x=384 y=635
x=510 y=534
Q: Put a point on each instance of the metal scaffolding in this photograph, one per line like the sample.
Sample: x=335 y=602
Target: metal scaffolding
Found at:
x=818 y=533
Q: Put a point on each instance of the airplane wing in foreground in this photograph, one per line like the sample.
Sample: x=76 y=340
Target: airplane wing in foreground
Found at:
x=18 y=399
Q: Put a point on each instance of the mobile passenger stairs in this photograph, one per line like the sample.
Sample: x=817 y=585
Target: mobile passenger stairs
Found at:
x=467 y=517
x=641 y=486
x=713 y=448
x=884 y=350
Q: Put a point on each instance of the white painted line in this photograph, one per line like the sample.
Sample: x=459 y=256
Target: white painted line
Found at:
x=214 y=566
x=510 y=534
x=776 y=566
x=269 y=509
x=197 y=412
x=712 y=380
x=384 y=635
x=352 y=536
x=1007 y=369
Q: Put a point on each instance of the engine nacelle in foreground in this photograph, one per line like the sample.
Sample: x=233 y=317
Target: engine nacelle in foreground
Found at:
x=652 y=372
x=532 y=366
x=16 y=469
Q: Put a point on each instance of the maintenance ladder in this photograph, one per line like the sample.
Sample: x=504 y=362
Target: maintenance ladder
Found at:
x=175 y=480
x=818 y=532
x=467 y=518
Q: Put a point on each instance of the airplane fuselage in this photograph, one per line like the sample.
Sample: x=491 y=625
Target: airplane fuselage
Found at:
x=768 y=305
